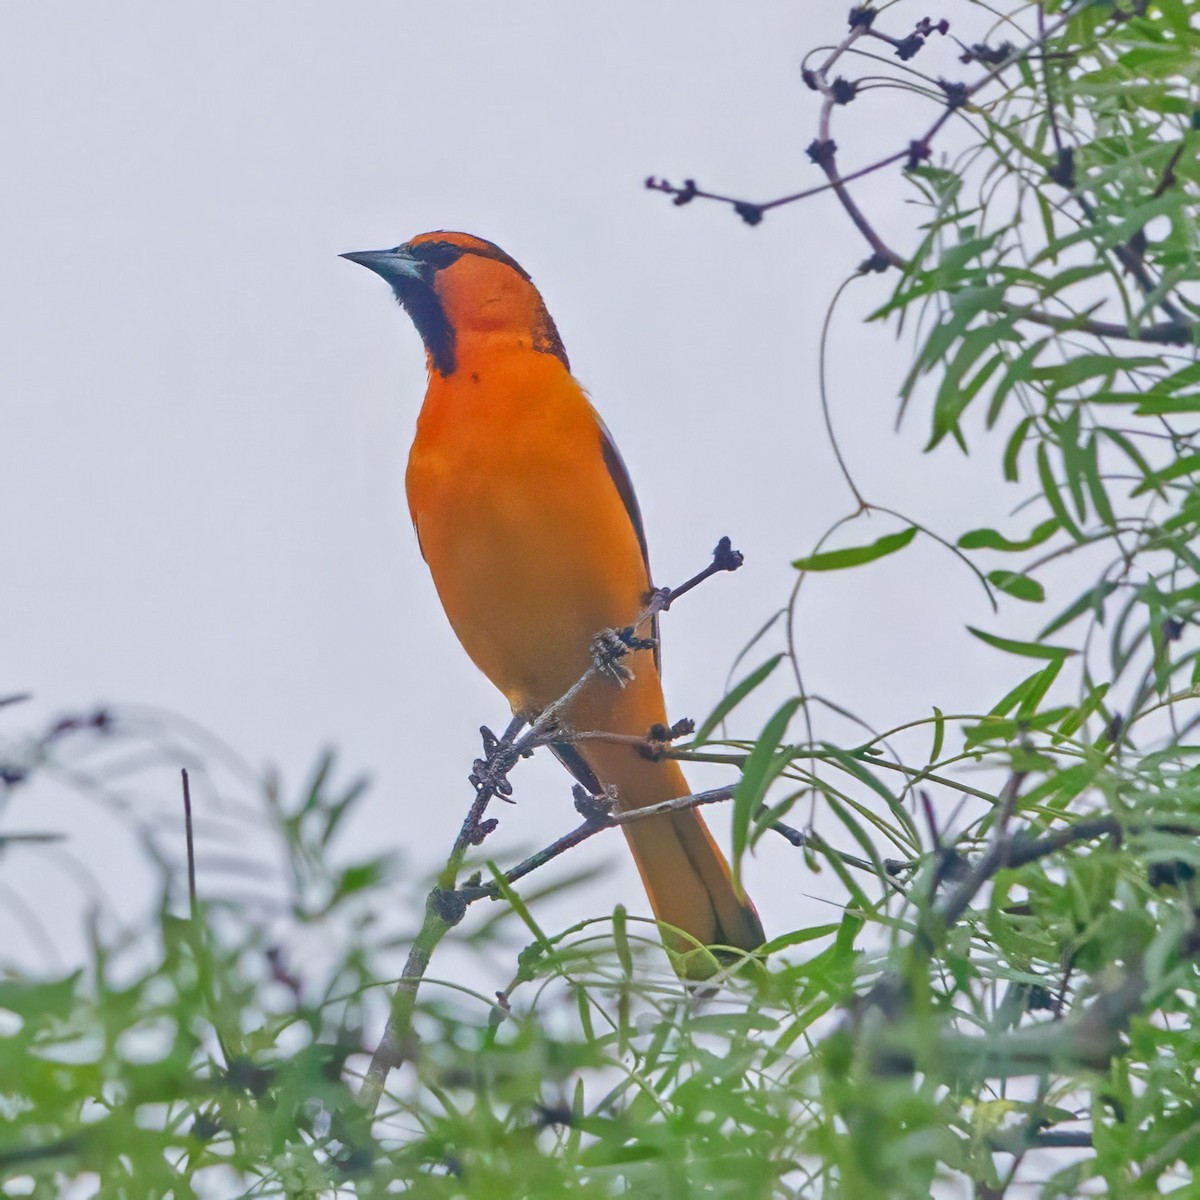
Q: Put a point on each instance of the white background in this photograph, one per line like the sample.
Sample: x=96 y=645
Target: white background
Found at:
x=206 y=413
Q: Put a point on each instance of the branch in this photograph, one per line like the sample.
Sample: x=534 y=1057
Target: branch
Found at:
x=1178 y=330
x=596 y=820
x=446 y=904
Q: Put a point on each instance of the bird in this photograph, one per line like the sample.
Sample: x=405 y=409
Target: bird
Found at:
x=527 y=519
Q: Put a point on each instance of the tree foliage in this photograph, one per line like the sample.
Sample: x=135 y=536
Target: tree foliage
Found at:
x=1008 y=998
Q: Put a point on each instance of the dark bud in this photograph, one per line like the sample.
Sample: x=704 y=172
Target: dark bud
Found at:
x=950 y=864
x=682 y=727
x=909 y=47
x=1041 y=999
x=549 y=1115
x=357 y=1161
x=957 y=94
x=876 y=264
x=1169 y=874
x=809 y=79
x=861 y=17
x=491 y=743
x=981 y=52
x=889 y=994
x=630 y=639
x=204 y=1128
x=1114 y=729
x=927 y=26
x=725 y=557
x=821 y=152
x=1172 y=629
x=482 y=830
x=685 y=194
x=843 y=90
x=244 y=1076
x=1063 y=171
x=589 y=807
x=450 y=906
x=752 y=214
x=918 y=152
x=11 y=776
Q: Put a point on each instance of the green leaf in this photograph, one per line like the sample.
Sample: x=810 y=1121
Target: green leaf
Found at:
x=1095 y=483
x=1161 y=406
x=762 y=766
x=1019 y=371
x=939 y=734
x=1078 y=718
x=734 y=697
x=1188 y=464
x=989 y=539
x=1028 y=694
x=1012 y=450
x=855 y=556
x=1053 y=495
x=799 y=937
x=620 y=928
x=1092 y=599
x=1022 y=587
x=1024 y=649
x=952 y=397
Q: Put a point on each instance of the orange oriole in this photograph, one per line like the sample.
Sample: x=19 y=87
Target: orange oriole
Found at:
x=527 y=519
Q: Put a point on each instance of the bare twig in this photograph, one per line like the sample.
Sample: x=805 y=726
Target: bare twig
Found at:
x=822 y=151
x=446 y=903
x=193 y=905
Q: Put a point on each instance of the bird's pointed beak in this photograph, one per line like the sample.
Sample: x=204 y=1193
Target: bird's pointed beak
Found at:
x=393 y=264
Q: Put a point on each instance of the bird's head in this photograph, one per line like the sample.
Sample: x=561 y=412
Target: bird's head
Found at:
x=457 y=287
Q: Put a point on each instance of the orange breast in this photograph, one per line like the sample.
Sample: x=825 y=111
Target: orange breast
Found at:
x=529 y=544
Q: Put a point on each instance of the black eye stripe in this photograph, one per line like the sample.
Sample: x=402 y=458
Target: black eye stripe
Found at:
x=440 y=255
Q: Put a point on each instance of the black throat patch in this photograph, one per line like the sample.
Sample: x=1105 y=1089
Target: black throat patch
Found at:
x=421 y=302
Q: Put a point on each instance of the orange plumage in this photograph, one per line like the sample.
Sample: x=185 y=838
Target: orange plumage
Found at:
x=528 y=522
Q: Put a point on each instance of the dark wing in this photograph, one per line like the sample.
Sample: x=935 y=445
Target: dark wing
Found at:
x=620 y=477
x=570 y=758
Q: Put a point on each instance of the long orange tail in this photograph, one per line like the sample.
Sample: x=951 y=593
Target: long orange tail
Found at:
x=684 y=872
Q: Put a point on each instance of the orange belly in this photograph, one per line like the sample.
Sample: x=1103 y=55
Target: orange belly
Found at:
x=529 y=544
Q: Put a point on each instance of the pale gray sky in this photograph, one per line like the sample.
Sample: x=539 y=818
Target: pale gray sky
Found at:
x=207 y=413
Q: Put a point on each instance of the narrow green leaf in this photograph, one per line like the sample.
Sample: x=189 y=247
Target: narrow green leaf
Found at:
x=621 y=940
x=857 y=833
x=1052 y=494
x=1025 y=649
x=855 y=556
x=1027 y=695
x=1131 y=452
x=1022 y=587
x=1092 y=599
x=1019 y=371
x=1188 y=464
x=762 y=766
x=734 y=697
x=939 y=734
x=1078 y=718
x=1095 y=483
x=1012 y=451
x=799 y=937
x=989 y=539
x=1161 y=406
